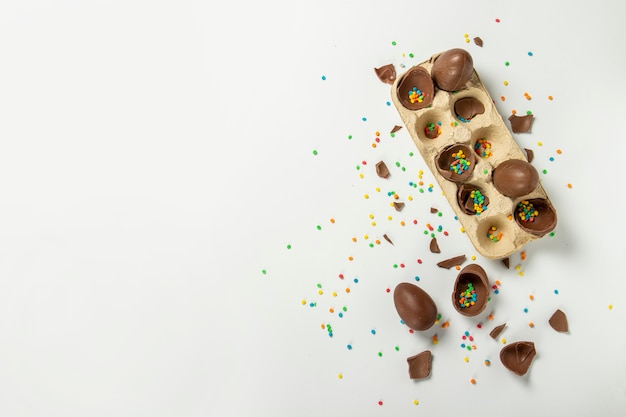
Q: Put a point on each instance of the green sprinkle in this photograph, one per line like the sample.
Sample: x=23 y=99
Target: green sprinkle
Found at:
x=319 y=227
x=411 y=56
x=314 y=152
x=380 y=354
x=395 y=265
x=398 y=164
x=507 y=63
x=349 y=137
x=288 y=246
x=397 y=348
x=394 y=43
x=410 y=153
x=440 y=214
x=528 y=112
x=545 y=171
x=319 y=285
x=264 y=271
x=371 y=245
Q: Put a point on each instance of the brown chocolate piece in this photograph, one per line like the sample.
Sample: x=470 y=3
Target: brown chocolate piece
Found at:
x=387 y=238
x=517 y=357
x=497 y=330
x=530 y=155
x=449 y=156
x=506 y=262
x=433 y=210
x=515 y=178
x=544 y=220
x=521 y=124
x=434 y=246
x=417 y=78
x=452 y=69
x=395 y=129
x=398 y=205
x=558 y=322
x=466 y=201
x=468 y=107
x=449 y=263
x=381 y=170
x=474 y=275
x=478 y=41
x=415 y=307
x=420 y=365
x=386 y=73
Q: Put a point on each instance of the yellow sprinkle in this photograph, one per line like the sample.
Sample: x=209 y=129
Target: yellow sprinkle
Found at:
x=320 y=292
x=503 y=341
x=415 y=402
x=410 y=198
x=610 y=306
x=371 y=216
x=473 y=257
x=505 y=82
x=389 y=217
x=366 y=237
x=467 y=40
x=539 y=143
x=339 y=376
x=466 y=359
x=377 y=189
x=365 y=196
x=466 y=36
x=361 y=175
x=303 y=302
x=373 y=223
x=520 y=273
x=518 y=267
x=462 y=229
x=334 y=294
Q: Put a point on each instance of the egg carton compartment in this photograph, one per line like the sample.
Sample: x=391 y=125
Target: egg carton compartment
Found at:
x=463 y=140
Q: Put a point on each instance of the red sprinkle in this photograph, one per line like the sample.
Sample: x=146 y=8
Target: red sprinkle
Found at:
x=341 y=276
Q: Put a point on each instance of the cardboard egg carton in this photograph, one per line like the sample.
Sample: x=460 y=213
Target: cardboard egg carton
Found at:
x=510 y=232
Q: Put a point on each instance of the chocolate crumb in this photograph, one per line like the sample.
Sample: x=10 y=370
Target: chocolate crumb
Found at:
x=398 y=206
x=386 y=73
x=496 y=331
x=434 y=210
x=507 y=262
x=395 y=129
x=521 y=124
x=434 y=246
x=382 y=170
x=449 y=263
x=420 y=365
x=387 y=238
x=558 y=322
x=478 y=41
x=529 y=155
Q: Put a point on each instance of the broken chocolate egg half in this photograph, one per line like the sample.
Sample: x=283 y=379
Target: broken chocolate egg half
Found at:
x=515 y=178
x=414 y=306
x=518 y=356
x=420 y=365
x=466 y=108
x=416 y=89
x=471 y=290
x=472 y=199
x=452 y=69
x=536 y=216
x=456 y=162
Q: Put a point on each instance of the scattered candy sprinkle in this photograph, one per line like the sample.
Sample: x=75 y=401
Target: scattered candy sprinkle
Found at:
x=491 y=234
x=482 y=147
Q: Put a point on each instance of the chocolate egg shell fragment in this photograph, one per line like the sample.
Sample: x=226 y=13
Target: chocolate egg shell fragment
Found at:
x=386 y=73
x=468 y=107
x=521 y=124
x=515 y=178
x=517 y=357
x=415 y=307
x=456 y=162
x=558 y=322
x=420 y=365
x=536 y=216
x=416 y=89
x=381 y=170
x=471 y=199
x=471 y=290
x=495 y=332
x=452 y=69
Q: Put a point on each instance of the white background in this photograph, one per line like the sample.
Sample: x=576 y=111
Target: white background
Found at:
x=157 y=156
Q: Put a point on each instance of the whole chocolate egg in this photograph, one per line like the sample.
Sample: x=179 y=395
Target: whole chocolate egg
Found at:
x=415 y=307
x=515 y=178
x=452 y=69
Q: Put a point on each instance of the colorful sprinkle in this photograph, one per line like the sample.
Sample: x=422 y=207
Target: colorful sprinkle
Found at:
x=482 y=147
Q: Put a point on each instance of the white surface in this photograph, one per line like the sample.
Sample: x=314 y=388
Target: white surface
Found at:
x=155 y=157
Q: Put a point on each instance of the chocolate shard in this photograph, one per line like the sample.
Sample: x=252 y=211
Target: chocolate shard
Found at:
x=530 y=155
x=558 y=322
x=395 y=129
x=468 y=107
x=434 y=246
x=420 y=365
x=521 y=124
x=434 y=210
x=398 y=205
x=478 y=41
x=382 y=170
x=496 y=331
x=506 y=262
x=387 y=238
x=517 y=357
x=386 y=73
x=449 y=263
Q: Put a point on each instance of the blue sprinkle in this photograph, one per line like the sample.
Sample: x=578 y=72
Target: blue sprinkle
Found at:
x=530 y=54
x=463 y=345
x=417 y=278
x=330 y=334
x=388 y=103
x=340 y=315
x=551 y=158
x=349 y=347
x=373 y=331
x=323 y=77
x=466 y=333
x=364 y=119
x=525 y=310
x=556 y=292
x=356 y=280
x=497 y=292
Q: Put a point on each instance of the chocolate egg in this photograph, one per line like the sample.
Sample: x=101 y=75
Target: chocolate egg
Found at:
x=415 y=307
x=456 y=162
x=515 y=178
x=518 y=356
x=416 y=89
x=452 y=69
x=536 y=216
x=471 y=290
